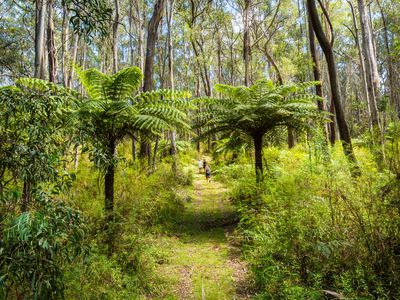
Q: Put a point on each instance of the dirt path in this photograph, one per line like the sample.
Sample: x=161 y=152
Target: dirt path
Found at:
x=201 y=263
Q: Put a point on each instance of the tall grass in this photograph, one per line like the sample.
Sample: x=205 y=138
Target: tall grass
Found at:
x=311 y=229
x=147 y=205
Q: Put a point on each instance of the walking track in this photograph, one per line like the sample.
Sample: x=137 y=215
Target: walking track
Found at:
x=201 y=263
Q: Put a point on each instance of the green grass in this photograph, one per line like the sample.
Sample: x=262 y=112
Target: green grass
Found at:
x=198 y=254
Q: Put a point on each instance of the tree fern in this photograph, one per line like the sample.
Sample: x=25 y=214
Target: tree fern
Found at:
x=257 y=110
x=115 y=109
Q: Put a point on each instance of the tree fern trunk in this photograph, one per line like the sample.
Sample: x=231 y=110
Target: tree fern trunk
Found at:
x=258 y=156
x=134 y=155
x=291 y=140
x=155 y=154
x=109 y=198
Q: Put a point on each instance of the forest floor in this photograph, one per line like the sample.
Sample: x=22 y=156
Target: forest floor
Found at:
x=201 y=263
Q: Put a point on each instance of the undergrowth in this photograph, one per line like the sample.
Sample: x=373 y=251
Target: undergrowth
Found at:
x=147 y=205
x=311 y=230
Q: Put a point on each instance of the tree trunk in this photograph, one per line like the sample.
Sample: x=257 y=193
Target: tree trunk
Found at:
x=334 y=84
x=258 y=140
x=151 y=44
x=134 y=155
x=273 y=64
x=361 y=58
x=39 y=38
x=152 y=30
x=317 y=74
x=64 y=45
x=109 y=198
x=332 y=124
x=132 y=51
x=371 y=64
x=76 y=157
x=394 y=99
x=219 y=59
x=155 y=154
x=291 y=139
x=74 y=52
x=246 y=42
x=82 y=62
x=130 y=22
x=201 y=68
x=51 y=47
x=170 y=14
x=109 y=182
x=38 y=73
x=145 y=148
x=315 y=67
x=140 y=34
x=115 y=36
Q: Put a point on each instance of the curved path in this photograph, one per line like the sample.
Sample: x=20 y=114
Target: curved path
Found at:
x=201 y=263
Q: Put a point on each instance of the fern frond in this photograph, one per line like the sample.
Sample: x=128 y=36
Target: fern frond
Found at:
x=94 y=82
x=257 y=109
x=150 y=123
x=123 y=83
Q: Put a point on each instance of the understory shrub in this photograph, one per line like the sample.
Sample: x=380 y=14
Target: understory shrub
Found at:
x=34 y=247
x=146 y=206
x=310 y=229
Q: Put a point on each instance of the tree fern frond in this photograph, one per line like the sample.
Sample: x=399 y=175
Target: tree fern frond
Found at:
x=150 y=123
x=123 y=83
x=259 y=108
x=119 y=107
x=94 y=82
x=161 y=111
x=41 y=86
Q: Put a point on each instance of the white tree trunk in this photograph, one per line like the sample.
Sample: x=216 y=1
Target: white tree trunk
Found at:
x=170 y=14
x=370 y=63
x=39 y=38
x=74 y=52
x=115 y=36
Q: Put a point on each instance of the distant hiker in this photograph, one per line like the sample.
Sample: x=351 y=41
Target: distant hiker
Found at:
x=208 y=173
x=204 y=164
x=200 y=163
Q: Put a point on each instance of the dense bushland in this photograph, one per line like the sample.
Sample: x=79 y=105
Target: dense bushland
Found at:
x=146 y=206
x=311 y=229
x=55 y=230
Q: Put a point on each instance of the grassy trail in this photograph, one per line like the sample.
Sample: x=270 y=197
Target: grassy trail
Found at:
x=201 y=263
